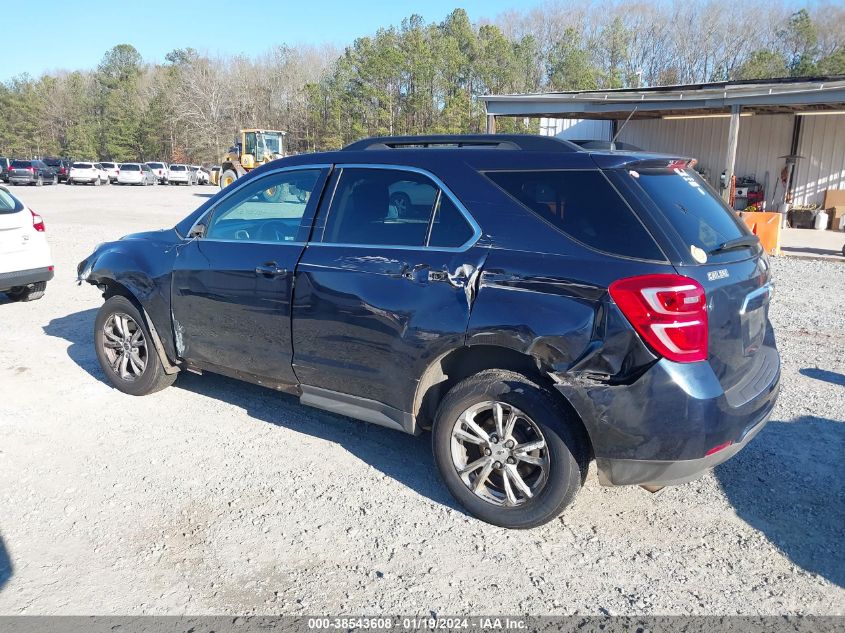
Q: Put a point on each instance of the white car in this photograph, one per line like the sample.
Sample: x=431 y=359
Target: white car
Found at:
x=25 y=261
x=136 y=174
x=160 y=170
x=181 y=175
x=87 y=173
x=201 y=176
x=112 y=170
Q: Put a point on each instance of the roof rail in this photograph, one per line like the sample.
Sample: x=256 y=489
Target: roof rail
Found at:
x=524 y=142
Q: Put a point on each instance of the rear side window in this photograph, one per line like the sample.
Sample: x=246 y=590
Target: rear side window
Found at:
x=8 y=204
x=380 y=207
x=584 y=206
x=449 y=228
x=690 y=205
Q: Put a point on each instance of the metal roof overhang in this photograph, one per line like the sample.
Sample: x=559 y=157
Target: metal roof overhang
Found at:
x=771 y=97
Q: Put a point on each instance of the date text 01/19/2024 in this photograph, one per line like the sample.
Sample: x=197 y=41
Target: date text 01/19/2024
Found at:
x=417 y=623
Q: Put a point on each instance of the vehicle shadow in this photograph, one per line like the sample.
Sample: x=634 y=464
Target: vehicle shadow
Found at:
x=5 y=564
x=77 y=329
x=407 y=459
x=204 y=195
x=788 y=484
x=824 y=375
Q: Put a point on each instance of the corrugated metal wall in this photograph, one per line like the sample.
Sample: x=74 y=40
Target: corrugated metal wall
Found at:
x=823 y=166
x=762 y=140
x=576 y=129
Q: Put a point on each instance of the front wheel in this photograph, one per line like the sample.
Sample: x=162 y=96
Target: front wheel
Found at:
x=508 y=450
x=126 y=351
x=229 y=176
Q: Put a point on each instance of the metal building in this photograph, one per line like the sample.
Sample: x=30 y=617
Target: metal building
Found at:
x=745 y=128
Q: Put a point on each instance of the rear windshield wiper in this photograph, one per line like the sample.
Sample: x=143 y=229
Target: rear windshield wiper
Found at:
x=746 y=241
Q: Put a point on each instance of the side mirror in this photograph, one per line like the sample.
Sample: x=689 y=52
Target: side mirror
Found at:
x=197 y=231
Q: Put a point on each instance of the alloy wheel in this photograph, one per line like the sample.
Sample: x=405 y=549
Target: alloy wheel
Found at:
x=125 y=346
x=500 y=453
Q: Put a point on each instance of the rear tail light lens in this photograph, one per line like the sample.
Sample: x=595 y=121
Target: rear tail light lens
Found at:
x=37 y=222
x=668 y=311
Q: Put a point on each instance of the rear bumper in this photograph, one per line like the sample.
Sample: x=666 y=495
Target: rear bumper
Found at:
x=674 y=422
x=25 y=277
x=22 y=180
x=623 y=472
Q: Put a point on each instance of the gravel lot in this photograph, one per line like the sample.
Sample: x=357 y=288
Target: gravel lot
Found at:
x=216 y=496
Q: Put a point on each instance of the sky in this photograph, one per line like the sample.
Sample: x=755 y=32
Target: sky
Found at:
x=61 y=36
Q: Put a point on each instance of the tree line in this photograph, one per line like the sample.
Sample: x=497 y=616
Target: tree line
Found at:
x=415 y=77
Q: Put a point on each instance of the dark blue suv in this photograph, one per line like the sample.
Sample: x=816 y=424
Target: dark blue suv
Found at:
x=534 y=304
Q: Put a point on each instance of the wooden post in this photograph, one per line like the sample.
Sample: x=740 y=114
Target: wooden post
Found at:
x=491 y=123
x=730 y=157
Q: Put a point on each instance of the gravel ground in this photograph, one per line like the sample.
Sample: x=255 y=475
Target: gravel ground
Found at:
x=216 y=496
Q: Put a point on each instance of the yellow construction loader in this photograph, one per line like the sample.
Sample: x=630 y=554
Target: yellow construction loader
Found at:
x=252 y=149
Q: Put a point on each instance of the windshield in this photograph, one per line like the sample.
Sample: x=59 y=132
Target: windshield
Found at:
x=695 y=211
x=273 y=142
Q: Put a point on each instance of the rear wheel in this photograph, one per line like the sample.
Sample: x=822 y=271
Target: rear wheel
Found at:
x=508 y=450
x=55 y=180
x=39 y=181
x=126 y=351
x=96 y=182
x=28 y=293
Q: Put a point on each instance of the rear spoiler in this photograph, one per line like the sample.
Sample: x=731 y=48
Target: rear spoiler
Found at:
x=642 y=160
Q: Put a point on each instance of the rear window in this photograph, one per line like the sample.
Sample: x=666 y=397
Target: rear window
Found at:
x=8 y=204
x=155 y=165
x=584 y=206
x=21 y=163
x=177 y=168
x=108 y=165
x=696 y=212
x=52 y=162
x=130 y=168
x=82 y=165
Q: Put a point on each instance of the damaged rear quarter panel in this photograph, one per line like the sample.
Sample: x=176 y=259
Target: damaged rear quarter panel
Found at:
x=142 y=263
x=540 y=305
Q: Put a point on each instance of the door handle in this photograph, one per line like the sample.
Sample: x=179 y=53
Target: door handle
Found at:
x=270 y=269
x=411 y=272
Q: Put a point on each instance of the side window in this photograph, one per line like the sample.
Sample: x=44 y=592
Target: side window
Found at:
x=583 y=205
x=267 y=210
x=380 y=207
x=449 y=228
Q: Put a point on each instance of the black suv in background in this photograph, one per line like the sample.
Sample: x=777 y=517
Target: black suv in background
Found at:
x=534 y=304
x=61 y=165
x=32 y=172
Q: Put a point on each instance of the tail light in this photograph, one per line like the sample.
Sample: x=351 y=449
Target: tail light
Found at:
x=31 y=169
x=668 y=311
x=37 y=222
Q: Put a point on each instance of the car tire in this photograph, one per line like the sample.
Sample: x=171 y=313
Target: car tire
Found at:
x=39 y=182
x=28 y=293
x=115 y=314
x=55 y=180
x=96 y=182
x=229 y=176
x=558 y=466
